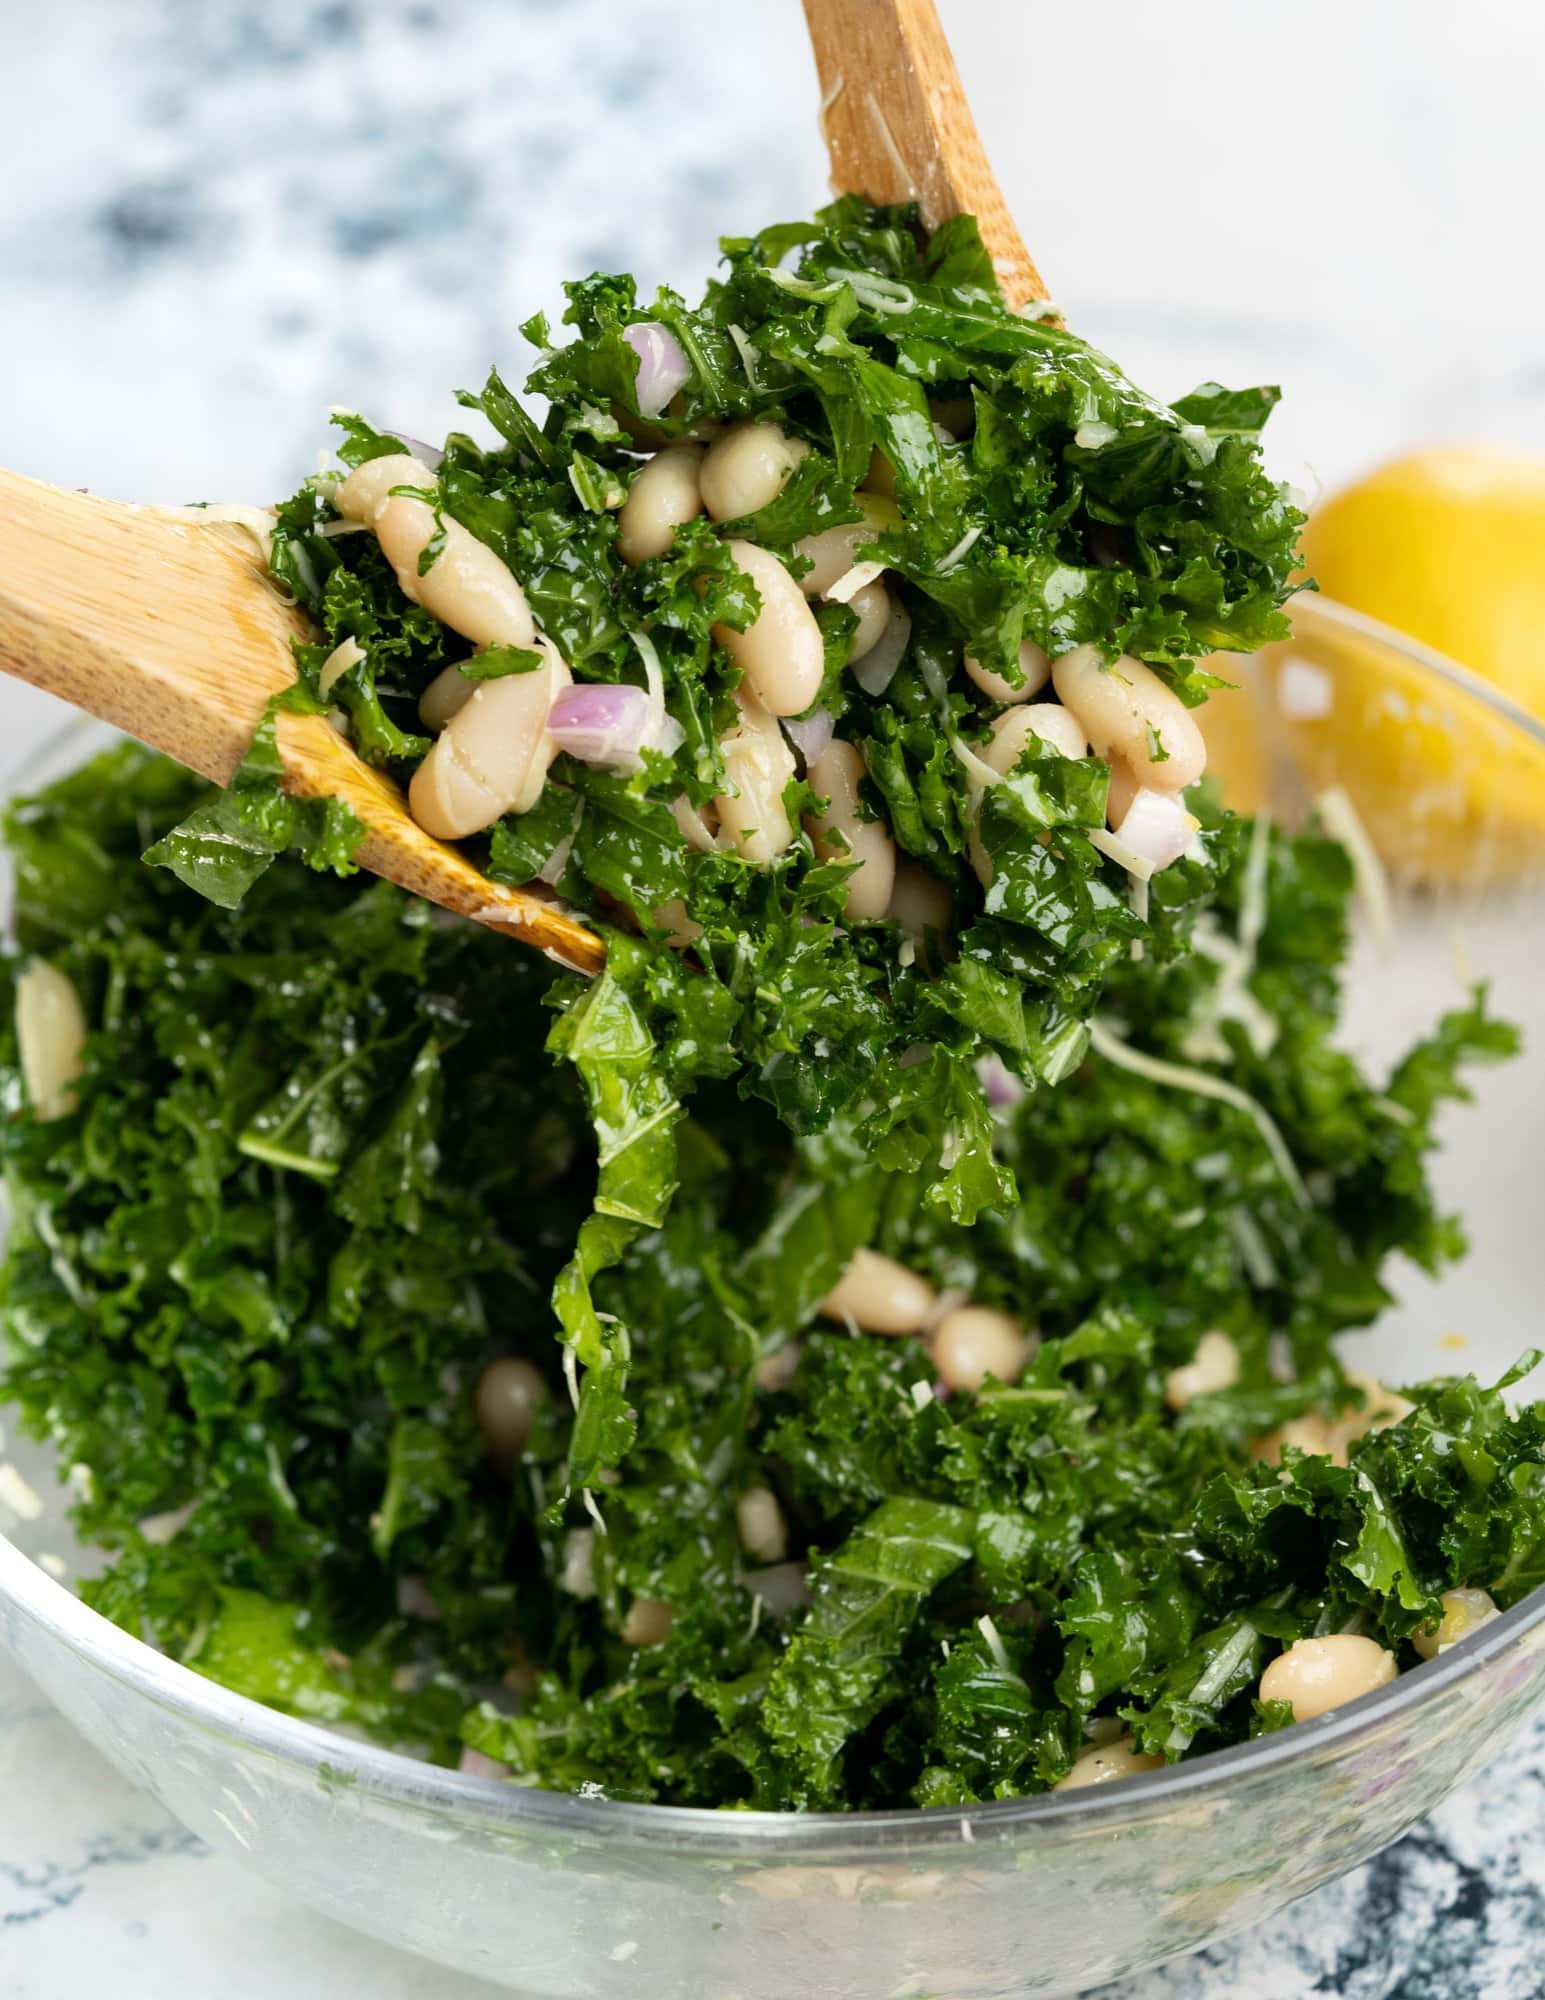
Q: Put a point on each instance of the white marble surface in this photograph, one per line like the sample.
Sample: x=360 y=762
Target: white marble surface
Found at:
x=219 y=216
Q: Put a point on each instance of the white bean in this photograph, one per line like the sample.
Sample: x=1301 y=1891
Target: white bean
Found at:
x=972 y=1342
x=881 y=1296
x=881 y=476
x=1316 y=1675
x=492 y=756
x=1333 y=1438
x=759 y=1522
x=832 y=550
x=1126 y=708
x=681 y=929
x=1012 y=730
x=872 y=606
x=1124 y=788
x=446 y=695
x=753 y=820
x=648 y=1622
x=920 y=902
x=666 y=493
x=50 y=1038
x=508 y=1393
x=781 y=652
x=778 y=1369
x=836 y=774
x=1214 y=1366
x=466 y=586
x=1107 y=1762
x=1463 y=1612
x=1033 y=664
x=746 y=467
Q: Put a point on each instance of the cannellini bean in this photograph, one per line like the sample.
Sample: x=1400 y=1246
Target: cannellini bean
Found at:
x=881 y=1296
x=1214 y=1366
x=1334 y=1438
x=920 y=902
x=1316 y=1675
x=1463 y=1612
x=50 y=1038
x=492 y=756
x=446 y=695
x=781 y=652
x=1106 y=1762
x=1012 y=730
x=680 y=928
x=666 y=493
x=832 y=550
x=508 y=1393
x=872 y=605
x=881 y=476
x=466 y=586
x=972 y=1342
x=759 y=1522
x=1033 y=664
x=836 y=775
x=754 y=822
x=777 y=1370
x=648 y=1622
x=1124 y=788
x=746 y=467
x=1381 y=1406
x=1126 y=708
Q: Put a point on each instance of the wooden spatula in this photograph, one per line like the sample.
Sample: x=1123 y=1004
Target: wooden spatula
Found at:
x=898 y=127
x=169 y=629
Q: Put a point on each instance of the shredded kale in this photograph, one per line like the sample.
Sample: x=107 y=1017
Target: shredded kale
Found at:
x=320 y=1174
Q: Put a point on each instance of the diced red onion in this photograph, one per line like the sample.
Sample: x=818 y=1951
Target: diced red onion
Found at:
x=1157 y=827
x=810 y=734
x=600 y=723
x=473 y=1764
x=663 y=368
x=877 y=669
x=427 y=454
x=999 y=1084
x=610 y=723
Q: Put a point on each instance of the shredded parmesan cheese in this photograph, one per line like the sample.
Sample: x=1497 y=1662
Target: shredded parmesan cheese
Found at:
x=853 y=580
x=1340 y=820
x=1106 y=1042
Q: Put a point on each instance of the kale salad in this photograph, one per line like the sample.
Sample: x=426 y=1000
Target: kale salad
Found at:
x=872 y=1344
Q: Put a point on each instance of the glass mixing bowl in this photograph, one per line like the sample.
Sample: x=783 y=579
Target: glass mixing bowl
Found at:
x=582 y=1899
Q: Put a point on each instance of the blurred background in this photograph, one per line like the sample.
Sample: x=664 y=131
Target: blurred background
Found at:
x=220 y=216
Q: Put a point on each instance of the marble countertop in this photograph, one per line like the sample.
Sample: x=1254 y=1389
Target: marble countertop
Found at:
x=220 y=218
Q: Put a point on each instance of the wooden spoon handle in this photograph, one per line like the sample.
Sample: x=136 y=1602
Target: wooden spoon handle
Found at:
x=898 y=127
x=168 y=628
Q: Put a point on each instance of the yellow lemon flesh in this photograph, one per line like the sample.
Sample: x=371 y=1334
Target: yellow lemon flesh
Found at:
x=1446 y=545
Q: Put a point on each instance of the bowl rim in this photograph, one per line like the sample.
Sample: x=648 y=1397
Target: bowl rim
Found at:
x=710 y=1833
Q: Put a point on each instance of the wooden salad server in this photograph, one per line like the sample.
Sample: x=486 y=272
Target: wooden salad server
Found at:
x=168 y=627
x=898 y=127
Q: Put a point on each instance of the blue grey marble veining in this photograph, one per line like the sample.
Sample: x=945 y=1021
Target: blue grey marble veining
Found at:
x=217 y=217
